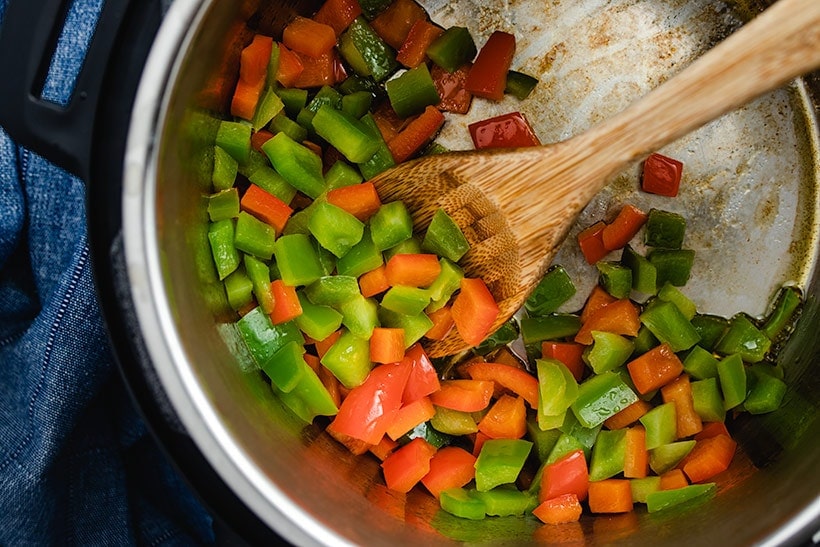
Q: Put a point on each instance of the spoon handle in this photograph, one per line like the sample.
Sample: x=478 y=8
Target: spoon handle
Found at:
x=777 y=46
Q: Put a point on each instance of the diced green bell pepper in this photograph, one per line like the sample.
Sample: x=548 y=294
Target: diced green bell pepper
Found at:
x=223 y=249
x=565 y=444
x=549 y=327
x=326 y=96
x=664 y=229
x=444 y=238
x=554 y=289
x=601 y=396
x=732 y=375
x=407 y=247
x=332 y=290
x=345 y=133
x=786 y=304
x=357 y=104
x=406 y=300
x=263 y=338
x=415 y=326
x=661 y=425
x=766 y=393
x=744 y=338
x=673 y=265
x=362 y=258
x=235 y=139
x=309 y=398
x=297 y=164
x=710 y=328
x=505 y=334
x=286 y=367
x=505 y=502
x=557 y=388
x=337 y=230
x=412 y=92
x=453 y=422
x=700 y=364
x=390 y=225
x=283 y=124
x=644 y=341
x=366 y=52
x=667 y=456
x=382 y=160
x=669 y=325
x=644 y=273
x=499 y=462
x=707 y=400
x=670 y=293
x=225 y=169
x=341 y=174
x=348 y=359
x=544 y=441
x=459 y=502
x=615 y=278
x=360 y=315
x=641 y=488
x=426 y=431
x=519 y=85
x=607 y=352
x=293 y=99
x=269 y=106
x=663 y=499
x=297 y=260
x=447 y=283
x=608 y=454
x=453 y=49
x=259 y=274
x=223 y=204
x=317 y=321
x=586 y=436
x=239 y=289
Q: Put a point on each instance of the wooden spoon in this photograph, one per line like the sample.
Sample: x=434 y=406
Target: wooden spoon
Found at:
x=517 y=205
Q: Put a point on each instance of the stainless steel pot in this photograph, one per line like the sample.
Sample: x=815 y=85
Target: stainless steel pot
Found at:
x=754 y=174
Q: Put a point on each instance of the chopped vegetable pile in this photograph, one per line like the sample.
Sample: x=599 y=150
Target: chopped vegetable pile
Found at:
x=622 y=403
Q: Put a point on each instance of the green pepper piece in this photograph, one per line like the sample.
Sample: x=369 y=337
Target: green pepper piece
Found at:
x=334 y=228
x=447 y=283
x=453 y=422
x=426 y=431
x=224 y=204
x=297 y=164
x=600 y=397
x=383 y=158
x=608 y=454
x=235 y=139
x=670 y=293
x=366 y=52
x=453 y=49
x=415 y=326
x=360 y=315
x=615 y=278
x=459 y=502
x=667 y=456
x=293 y=99
x=644 y=273
x=708 y=401
x=355 y=82
x=309 y=398
x=505 y=502
x=669 y=325
x=663 y=499
x=371 y=8
x=273 y=67
x=555 y=421
x=664 y=229
x=406 y=300
x=409 y=246
x=519 y=85
x=607 y=352
x=544 y=441
x=565 y=444
x=412 y=92
x=641 y=488
x=305 y=120
x=273 y=183
x=357 y=104
x=349 y=359
x=259 y=274
x=586 y=436
x=767 y=390
x=225 y=169
x=390 y=225
x=332 y=290
x=661 y=425
x=283 y=124
x=435 y=148
x=345 y=133
x=505 y=334
x=326 y=96
x=297 y=260
x=444 y=238
x=554 y=289
x=700 y=364
x=732 y=375
x=263 y=338
x=786 y=304
x=341 y=174
x=285 y=369
x=223 y=249
x=557 y=388
x=710 y=328
x=673 y=265
x=499 y=462
x=269 y=106
x=745 y=338
x=549 y=327
x=644 y=341
x=317 y=321
x=239 y=289
x=362 y=258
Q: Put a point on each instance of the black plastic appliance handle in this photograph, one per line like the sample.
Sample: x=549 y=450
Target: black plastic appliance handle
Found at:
x=29 y=34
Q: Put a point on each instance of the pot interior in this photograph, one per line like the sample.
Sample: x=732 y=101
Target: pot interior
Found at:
x=751 y=201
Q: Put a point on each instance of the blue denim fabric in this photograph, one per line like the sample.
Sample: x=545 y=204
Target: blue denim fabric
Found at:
x=77 y=465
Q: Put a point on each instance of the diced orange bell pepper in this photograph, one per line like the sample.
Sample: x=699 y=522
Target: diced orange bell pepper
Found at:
x=450 y=467
x=463 y=395
x=386 y=345
x=258 y=138
x=629 y=415
x=712 y=429
x=414 y=49
x=708 y=458
x=474 y=311
x=514 y=379
x=385 y=447
x=253 y=70
x=286 y=304
x=559 y=510
x=394 y=23
x=266 y=207
x=407 y=465
x=423 y=379
x=443 y=323
x=413 y=270
x=338 y=14
x=360 y=200
x=373 y=282
x=610 y=496
x=506 y=419
x=654 y=369
x=597 y=299
x=620 y=317
x=309 y=37
x=326 y=69
x=636 y=457
x=290 y=67
x=679 y=391
x=417 y=133
x=673 y=479
x=409 y=416
x=323 y=345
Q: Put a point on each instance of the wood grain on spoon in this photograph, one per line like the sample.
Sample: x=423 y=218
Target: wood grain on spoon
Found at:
x=516 y=206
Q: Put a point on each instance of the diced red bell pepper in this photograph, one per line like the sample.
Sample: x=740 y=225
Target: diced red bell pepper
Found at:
x=423 y=379
x=623 y=228
x=463 y=395
x=517 y=380
x=619 y=317
x=597 y=299
x=488 y=76
x=474 y=310
x=253 y=70
x=360 y=200
x=286 y=304
x=591 y=241
x=418 y=132
x=506 y=419
x=567 y=475
x=450 y=86
x=290 y=67
x=413 y=270
x=266 y=207
x=338 y=14
x=309 y=37
x=414 y=49
x=661 y=175
x=450 y=467
x=385 y=447
x=394 y=23
x=511 y=130
x=386 y=345
x=569 y=353
x=369 y=408
x=408 y=465
x=316 y=72
x=443 y=323
x=409 y=416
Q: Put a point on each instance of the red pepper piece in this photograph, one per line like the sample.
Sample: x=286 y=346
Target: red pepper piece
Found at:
x=423 y=379
x=316 y=72
x=408 y=465
x=309 y=37
x=661 y=175
x=290 y=66
x=569 y=353
x=450 y=87
x=394 y=23
x=591 y=241
x=567 y=475
x=474 y=311
x=417 y=133
x=338 y=14
x=488 y=76
x=623 y=228
x=253 y=70
x=510 y=130
x=413 y=50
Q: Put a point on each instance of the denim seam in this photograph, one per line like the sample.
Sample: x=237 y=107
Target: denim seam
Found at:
x=72 y=286
x=165 y=537
x=10 y=339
